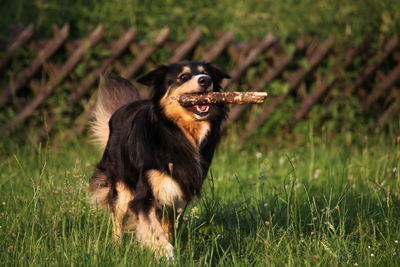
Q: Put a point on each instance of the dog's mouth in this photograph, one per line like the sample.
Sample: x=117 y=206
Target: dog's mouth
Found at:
x=199 y=110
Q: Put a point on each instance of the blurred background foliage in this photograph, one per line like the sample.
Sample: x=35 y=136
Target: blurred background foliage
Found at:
x=346 y=19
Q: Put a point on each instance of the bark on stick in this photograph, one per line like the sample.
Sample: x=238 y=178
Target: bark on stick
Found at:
x=221 y=97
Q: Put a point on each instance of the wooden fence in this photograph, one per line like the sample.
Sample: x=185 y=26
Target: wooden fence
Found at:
x=307 y=69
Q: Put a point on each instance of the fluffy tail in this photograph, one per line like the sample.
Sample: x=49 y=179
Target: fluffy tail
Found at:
x=113 y=93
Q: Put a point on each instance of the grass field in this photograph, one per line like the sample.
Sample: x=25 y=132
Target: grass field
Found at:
x=322 y=202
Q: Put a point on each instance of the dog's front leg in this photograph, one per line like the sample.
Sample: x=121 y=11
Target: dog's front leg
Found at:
x=169 y=195
x=150 y=234
x=120 y=209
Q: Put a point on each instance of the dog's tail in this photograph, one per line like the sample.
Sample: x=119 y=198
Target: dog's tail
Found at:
x=113 y=93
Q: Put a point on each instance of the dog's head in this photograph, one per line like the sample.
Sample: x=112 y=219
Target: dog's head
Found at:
x=183 y=78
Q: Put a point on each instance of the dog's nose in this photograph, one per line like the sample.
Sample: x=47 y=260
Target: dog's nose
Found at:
x=204 y=81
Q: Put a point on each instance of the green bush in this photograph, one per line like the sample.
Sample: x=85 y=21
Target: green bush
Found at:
x=287 y=19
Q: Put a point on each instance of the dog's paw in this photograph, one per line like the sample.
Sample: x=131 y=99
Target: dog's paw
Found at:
x=116 y=238
x=166 y=252
x=169 y=252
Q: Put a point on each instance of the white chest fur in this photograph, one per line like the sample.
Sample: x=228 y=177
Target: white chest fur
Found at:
x=203 y=131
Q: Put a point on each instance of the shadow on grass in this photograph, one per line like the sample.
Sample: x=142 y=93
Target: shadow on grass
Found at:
x=237 y=227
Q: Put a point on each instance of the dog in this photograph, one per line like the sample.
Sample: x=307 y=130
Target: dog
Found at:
x=156 y=152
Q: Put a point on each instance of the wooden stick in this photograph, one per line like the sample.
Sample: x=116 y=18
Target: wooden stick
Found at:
x=221 y=97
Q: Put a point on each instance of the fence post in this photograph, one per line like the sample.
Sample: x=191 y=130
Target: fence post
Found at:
x=91 y=78
x=392 y=110
x=379 y=57
x=218 y=47
x=56 y=79
x=42 y=56
x=324 y=84
x=265 y=43
x=387 y=82
x=22 y=38
x=145 y=54
x=279 y=65
x=294 y=81
x=185 y=48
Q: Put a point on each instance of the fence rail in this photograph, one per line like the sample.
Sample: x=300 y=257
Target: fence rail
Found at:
x=307 y=69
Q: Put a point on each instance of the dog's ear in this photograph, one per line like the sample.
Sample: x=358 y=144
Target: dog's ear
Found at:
x=218 y=74
x=153 y=76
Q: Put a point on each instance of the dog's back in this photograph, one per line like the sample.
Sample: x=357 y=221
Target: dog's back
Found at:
x=114 y=92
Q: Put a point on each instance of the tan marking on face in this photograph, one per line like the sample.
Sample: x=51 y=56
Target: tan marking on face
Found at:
x=201 y=69
x=165 y=189
x=190 y=86
x=185 y=69
x=125 y=195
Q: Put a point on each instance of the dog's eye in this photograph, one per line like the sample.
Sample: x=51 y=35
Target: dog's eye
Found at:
x=185 y=77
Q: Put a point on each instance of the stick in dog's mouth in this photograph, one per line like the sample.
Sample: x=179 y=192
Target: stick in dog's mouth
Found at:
x=201 y=101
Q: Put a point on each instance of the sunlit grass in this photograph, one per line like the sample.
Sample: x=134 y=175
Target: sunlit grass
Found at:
x=321 y=202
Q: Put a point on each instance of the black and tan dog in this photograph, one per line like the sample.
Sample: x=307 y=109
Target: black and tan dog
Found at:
x=157 y=153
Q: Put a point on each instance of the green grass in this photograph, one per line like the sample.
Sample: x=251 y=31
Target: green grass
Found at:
x=320 y=202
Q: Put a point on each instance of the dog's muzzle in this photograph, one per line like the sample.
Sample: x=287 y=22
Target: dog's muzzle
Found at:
x=205 y=85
